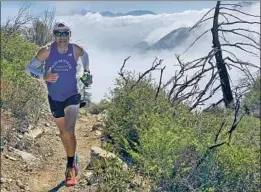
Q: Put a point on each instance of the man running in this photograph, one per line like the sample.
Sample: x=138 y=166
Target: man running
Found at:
x=60 y=64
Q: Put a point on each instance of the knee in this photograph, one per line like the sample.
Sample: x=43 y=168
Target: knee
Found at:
x=68 y=134
x=70 y=131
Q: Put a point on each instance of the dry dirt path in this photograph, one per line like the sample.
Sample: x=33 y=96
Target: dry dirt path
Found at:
x=48 y=175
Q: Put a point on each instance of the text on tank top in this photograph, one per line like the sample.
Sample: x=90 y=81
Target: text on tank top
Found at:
x=65 y=65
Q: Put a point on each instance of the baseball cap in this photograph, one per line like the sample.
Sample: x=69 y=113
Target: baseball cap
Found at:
x=61 y=25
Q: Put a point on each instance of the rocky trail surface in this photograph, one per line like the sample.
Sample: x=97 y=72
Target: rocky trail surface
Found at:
x=42 y=168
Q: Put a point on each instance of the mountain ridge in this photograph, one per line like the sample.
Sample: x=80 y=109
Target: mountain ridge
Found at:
x=111 y=14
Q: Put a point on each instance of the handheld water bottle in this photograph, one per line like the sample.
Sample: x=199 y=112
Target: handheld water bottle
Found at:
x=87 y=81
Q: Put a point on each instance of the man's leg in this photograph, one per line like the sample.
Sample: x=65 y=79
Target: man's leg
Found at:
x=71 y=109
x=58 y=114
x=71 y=113
x=60 y=124
x=65 y=114
x=66 y=127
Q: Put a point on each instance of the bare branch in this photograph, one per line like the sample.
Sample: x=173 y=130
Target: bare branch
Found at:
x=188 y=83
x=223 y=13
x=161 y=73
x=241 y=63
x=198 y=99
x=146 y=72
x=201 y=20
x=224 y=38
x=207 y=152
x=217 y=145
x=196 y=40
x=41 y=31
x=230 y=4
x=16 y=23
x=195 y=62
x=236 y=120
x=121 y=73
x=225 y=17
x=237 y=45
x=241 y=29
x=239 y=34
x=213 y=105
x=239 y=22
x=239 y=12
x=219 y=131
x=224 y=50
x=176 y=93
x=249 y=75
x=211 y=94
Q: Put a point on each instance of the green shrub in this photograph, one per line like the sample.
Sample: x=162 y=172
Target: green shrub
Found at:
x=21 y=95
x=167 y=144
x=252 y=98
x=240 y=162
x=114 y=178
x=99 y=107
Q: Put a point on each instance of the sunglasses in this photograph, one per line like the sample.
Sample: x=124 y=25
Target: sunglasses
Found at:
x=61 y=34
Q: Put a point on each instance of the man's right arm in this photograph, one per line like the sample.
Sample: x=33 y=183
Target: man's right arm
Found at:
x=36 y=62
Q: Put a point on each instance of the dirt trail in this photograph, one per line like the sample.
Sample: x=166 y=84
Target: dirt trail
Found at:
x=49 y=175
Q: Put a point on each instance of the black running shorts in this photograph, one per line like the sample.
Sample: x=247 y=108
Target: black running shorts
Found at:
x=57 y=107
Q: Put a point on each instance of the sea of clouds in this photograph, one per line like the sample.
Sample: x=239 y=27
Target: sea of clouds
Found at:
x=109 y=40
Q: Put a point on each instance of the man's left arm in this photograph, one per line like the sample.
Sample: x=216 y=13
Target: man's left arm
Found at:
x=83 y=55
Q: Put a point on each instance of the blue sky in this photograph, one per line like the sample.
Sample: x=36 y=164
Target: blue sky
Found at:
x=64 y=7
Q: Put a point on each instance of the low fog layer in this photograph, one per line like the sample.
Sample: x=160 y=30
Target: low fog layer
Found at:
x=109 y=40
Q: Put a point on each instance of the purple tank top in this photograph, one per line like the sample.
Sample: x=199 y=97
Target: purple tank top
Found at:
x=65 y=65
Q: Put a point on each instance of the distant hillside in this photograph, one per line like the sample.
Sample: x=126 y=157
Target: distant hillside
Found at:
x=111 y=14
x=171 y=40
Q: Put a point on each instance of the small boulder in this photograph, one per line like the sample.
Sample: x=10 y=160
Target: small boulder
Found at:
x=91 y=178
x=100 y=155
x=98 y=133
x=27 y=157
x=35 y=133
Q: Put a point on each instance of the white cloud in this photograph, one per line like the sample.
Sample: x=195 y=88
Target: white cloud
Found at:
x=106 y=40
x=116 y=32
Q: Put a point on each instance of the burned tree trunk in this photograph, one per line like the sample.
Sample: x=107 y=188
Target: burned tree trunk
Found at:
x=224 y=20
x=221 y=66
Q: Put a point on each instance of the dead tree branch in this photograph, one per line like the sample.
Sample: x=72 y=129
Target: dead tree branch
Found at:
x=220 y=129
x=224 y=17
x=239 y=22
x=23 y=18
x=121 y=73
x=232 y=129
x=242 y=35
x=178 y=89
x=202 y=19
x=190 y=84
x=236 y=10
x=196 y=40
x=153 y=67
x=230 y=4
x=237 y=45
x=213 y=105
x=236 y=119
x=160 y=82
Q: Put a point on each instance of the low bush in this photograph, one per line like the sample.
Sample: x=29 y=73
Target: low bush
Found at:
x=171 y=145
